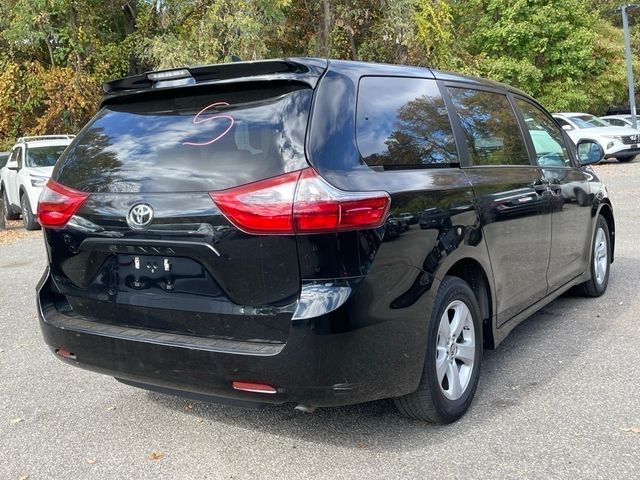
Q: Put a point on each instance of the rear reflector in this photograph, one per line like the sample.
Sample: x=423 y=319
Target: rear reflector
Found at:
x=300 y=202
x=253 y=387
x=57 y=204
x=65 y=353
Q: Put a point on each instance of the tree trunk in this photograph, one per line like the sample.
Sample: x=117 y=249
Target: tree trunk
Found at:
x=324 y=30
x=130 y=10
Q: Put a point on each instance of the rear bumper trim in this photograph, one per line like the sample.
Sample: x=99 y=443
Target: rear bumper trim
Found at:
x=53 y=317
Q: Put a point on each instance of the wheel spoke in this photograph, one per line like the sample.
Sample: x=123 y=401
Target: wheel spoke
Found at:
x=453 y=375
x=466 y=352
x=457 y=322
x=441 y=368
x=444 y=328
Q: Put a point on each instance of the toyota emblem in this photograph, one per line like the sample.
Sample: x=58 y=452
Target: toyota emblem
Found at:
x=140 y=216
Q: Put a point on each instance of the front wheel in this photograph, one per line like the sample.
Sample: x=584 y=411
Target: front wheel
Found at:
x=30 y=222
x=600 y=260
x=452 y=362
x=626 y=159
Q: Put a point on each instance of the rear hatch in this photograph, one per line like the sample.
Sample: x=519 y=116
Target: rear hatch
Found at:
x=148 y=247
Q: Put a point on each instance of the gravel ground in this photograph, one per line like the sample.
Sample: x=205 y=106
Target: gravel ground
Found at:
x=560 y=398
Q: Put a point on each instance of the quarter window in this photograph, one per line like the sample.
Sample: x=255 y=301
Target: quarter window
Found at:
x=403 y=123
x=490 y=126
x=546 y=137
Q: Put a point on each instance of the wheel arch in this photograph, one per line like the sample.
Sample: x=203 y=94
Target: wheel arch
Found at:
x=472 y=272
x=606 y=211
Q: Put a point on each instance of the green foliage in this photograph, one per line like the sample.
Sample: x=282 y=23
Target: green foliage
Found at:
x=559 y=51
x=54 y=54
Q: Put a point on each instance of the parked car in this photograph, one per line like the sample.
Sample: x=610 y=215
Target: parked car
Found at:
x=621 y=143
x=218 y=232
x=618 y=120
x=29 y=167
x=4 y=156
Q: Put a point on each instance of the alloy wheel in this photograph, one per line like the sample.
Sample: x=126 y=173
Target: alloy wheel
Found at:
x=455 y=350
x=600 y=256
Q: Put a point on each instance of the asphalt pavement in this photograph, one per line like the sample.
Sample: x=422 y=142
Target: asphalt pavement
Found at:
x=559 y=398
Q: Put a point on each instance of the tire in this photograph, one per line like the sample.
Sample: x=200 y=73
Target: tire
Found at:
x=438 y=401
x=7 y=212
x=626 y=159
x=30 y=223
x=600 y=262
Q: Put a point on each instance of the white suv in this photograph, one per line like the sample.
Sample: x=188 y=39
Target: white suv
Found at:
x=29 y=167
x=621 y=143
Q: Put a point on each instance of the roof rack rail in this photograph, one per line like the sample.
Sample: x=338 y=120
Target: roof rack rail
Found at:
x=45 y=137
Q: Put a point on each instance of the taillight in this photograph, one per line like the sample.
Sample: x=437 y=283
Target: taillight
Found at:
x=57 y=204
x=300 y=202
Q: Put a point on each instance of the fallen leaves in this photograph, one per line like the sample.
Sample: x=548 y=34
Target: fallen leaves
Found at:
x=361 y=445
x=631 y=429
x=14 y=232
x=24 y=477
x=155 y=456
x=111 y=409
x=16 y=420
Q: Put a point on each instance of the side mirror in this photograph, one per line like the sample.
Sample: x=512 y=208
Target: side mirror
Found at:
x=589 y=152
x=567 y=127
x=13 y=166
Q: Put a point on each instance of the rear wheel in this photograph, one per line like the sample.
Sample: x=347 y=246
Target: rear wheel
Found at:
x=600 y=261
x=30 y=223
x=452 y=363
x=626 y=159
x=6 y=209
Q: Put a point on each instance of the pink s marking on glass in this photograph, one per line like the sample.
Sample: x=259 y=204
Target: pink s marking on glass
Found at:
x=197 y=120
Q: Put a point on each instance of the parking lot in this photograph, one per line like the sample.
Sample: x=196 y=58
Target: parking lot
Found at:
x=560 y=398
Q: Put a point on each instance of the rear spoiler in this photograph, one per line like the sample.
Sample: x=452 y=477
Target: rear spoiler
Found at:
x=307 y=70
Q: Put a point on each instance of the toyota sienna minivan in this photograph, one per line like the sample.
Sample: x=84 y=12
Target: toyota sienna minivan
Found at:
x=222 y=232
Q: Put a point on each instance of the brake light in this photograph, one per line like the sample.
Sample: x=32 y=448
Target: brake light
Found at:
x=57 y=204
x=300 y=202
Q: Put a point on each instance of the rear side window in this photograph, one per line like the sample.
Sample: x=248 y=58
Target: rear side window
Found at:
x=403 y=123
x=490 y=126
x=195 y=139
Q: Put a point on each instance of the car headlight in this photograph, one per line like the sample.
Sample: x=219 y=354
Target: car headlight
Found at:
x=614 y=137
x=37 y=181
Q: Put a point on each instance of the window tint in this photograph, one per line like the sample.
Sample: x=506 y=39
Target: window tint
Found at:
x=617 y=122
x=491 y=128
x=563 y=122
x=44 y=156
x=16 y=156
x=189 y=140
x=546 y=137
x=403 y=123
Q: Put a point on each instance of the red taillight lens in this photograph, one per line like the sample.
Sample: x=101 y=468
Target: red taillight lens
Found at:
x=57 y=204
x=300 y=202
x=320 y=207
x=262 y=207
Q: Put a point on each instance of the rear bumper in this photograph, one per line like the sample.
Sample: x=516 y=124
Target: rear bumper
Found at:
x=319 y=365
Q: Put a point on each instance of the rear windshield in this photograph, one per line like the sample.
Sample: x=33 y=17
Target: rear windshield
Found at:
x=44 y=156
x=181 y=142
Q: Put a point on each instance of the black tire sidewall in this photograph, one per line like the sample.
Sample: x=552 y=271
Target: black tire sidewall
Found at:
x=452 y=289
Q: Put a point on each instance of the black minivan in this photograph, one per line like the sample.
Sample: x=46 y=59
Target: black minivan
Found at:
x=226 y=232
